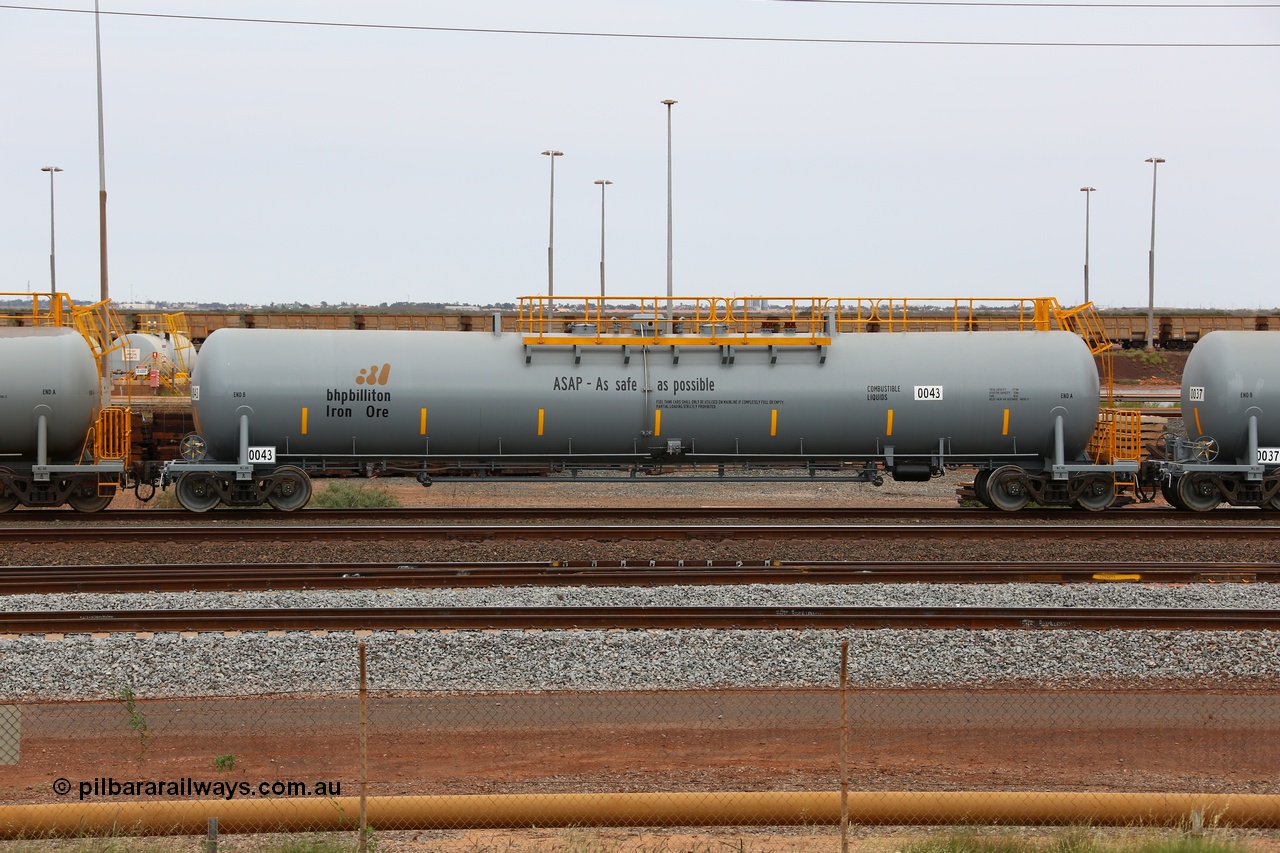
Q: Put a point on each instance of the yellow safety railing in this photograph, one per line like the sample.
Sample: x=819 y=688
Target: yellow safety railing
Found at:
x=896 y=314
x=112 y=434
x=1118 y=437
x=1085 y=321
x=47 y=309
x=183 y=350
x=661 y=320
x=110 y=440
x=713 y=320
x=100 y=325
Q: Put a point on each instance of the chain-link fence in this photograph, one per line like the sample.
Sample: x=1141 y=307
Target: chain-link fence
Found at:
x=339 y=761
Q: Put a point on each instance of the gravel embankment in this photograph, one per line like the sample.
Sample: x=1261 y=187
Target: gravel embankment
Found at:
x=84 y=666
x=81 y=666
x=98 y=666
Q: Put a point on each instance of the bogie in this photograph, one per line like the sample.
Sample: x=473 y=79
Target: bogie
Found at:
x=8 y=497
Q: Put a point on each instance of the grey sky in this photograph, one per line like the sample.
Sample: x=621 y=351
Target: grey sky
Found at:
x=251 y=162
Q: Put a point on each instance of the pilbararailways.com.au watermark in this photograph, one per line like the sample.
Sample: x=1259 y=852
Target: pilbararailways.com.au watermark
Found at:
x=109 y=786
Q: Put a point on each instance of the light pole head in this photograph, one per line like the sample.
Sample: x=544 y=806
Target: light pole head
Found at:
x=1155 y=160
x=669 y=102
x=554 y=153
x=50 y=169
x=1087 y=190
x=603 y=183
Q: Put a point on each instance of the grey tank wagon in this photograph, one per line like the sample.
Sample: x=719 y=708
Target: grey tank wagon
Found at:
x=1231 y=408
x=273 y=406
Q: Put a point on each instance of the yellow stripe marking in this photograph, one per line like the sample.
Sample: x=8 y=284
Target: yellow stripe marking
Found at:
x=422 y=422
x=888 y=426
x=541 y=418
x=773 y=423
x=304 y=420
x=1199 y=431
x=1115 y=576
x=1005 y=430
x=657 y=422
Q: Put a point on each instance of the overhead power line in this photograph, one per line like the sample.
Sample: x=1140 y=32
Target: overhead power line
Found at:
x=654 y=36
x=1017 y=5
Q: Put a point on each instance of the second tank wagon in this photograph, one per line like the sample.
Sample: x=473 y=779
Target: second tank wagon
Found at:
x=1231 y=408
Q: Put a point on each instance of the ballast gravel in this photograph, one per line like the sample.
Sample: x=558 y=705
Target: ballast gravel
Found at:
x=1259 y=596
x=85 y=666
x=98 y=666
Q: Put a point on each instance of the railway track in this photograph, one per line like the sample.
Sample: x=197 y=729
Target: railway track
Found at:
x=262 y=533
x=25 y=580
x=457 y=514
x=635 y=618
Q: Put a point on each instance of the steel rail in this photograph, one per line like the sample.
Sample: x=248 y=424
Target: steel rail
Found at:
x=26 y=580
x=258 y=533
x=640 y=618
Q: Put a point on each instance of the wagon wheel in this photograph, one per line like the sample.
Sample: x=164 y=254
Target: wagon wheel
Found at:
x=1274 y=503
x=196 y=492
x=980 y=481
x=292 y=489
x=83 y=495
x=1198 y=492
x=88 y=500
x=192 y=447
x=1099 y=493
x=8 y=499
x=1169 y=489
x=1007 y=488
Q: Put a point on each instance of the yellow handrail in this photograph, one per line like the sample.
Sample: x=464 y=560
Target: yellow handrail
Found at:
x=47 y=309
x=180 y=338
x=751 y=319
x=111 y=434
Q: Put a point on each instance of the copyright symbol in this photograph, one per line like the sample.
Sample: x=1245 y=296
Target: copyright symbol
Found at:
x=62 y=786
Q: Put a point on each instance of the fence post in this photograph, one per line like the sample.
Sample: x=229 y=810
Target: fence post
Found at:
x=211 y=839
x=364 y=752
x=844 y=746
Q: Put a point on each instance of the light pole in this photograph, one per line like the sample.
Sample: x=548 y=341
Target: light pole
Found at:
x=102 y=183
x=603 y=184
x=53 y=269
x=551 y=236
x=669 y=104
x=1087 y=192
x=1151 y=257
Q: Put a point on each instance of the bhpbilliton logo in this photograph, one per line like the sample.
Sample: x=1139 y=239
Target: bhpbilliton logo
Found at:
x=374 y=376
